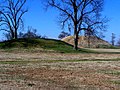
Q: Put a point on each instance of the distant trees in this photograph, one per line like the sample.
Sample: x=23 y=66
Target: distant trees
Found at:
x=63 y=34
x=31 y=33
x=11 y=13
x=118 y=42
x=113 y=39
x=80 y=15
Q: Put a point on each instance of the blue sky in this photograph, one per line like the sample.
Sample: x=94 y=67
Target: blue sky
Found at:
x=112 y=11
x=46 y=21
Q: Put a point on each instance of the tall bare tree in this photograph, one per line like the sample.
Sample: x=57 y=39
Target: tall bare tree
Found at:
x=113 y=39
x=80 y=14
x=11 y=13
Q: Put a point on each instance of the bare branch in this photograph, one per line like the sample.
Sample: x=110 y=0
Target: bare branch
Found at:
x=83 y=14
x=12 y=15
x=52 y=3
x=20 y=17
x=4 y=30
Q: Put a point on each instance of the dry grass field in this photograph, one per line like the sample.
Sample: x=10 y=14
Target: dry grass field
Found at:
x=36 y=70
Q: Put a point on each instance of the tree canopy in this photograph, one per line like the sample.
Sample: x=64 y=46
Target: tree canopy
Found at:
x=11 y=13
x=80 y=15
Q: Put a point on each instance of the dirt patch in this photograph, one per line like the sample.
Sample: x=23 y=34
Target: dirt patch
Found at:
x=62 y=76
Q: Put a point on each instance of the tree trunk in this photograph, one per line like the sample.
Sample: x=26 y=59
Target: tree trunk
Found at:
x=76 y=41
x=75 y=37
x=15 y=34
x=12 y=35
x=75 y=26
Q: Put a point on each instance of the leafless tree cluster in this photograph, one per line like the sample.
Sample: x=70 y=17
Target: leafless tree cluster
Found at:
x=11 y=13
x=80 y=15
x=31 y=33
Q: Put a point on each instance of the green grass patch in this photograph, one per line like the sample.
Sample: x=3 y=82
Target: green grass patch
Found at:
x=113 y=72
x=15 y=62
x=115 y=82
x=46 y=44
x=23 y=62
x=110 y=72
x=34 y=62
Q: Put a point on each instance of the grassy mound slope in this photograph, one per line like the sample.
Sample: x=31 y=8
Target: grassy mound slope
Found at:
x=47 y=44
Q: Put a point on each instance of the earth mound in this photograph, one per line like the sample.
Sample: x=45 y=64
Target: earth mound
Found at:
x=87 y=42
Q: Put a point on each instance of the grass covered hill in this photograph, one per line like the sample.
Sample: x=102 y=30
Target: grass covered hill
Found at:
x=45 y=44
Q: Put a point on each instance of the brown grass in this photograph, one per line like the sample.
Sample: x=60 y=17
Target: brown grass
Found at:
x=83 y=41
x=37 y=75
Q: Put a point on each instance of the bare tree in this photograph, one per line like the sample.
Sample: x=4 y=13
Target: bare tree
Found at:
x=113 y=39
x=11 y=13
x=80 y=14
